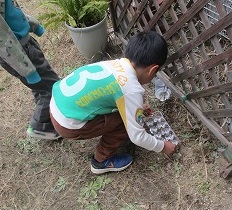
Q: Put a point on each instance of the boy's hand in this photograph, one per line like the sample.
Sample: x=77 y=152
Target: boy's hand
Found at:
x=169 y=148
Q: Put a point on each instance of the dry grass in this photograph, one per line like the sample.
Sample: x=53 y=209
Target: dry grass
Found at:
x=56 y=175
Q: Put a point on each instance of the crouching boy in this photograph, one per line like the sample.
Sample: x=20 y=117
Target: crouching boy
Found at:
x=106 y=99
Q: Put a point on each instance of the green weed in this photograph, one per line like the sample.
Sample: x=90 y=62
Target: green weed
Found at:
x=50 y=56
x=204 y=187
x=89 y=193
x=154 y=167
x=46 y=161
x=69 y=69
x=131 y=207
x=60 y=185
x=177 y=167
x=93 y=206
x=28 y=145
x=94 y=186
x=186 y=135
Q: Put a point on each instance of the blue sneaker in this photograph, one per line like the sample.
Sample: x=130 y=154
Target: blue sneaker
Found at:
x=115 y=163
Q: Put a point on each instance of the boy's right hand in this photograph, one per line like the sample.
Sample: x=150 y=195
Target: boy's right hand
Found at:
x=169 y=148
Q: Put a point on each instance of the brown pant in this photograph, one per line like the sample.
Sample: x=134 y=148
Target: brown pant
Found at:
x=109 y=126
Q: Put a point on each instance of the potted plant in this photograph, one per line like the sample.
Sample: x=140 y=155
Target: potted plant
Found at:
x=85 y=19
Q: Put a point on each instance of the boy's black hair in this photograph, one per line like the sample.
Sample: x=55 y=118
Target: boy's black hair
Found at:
x=146 y=48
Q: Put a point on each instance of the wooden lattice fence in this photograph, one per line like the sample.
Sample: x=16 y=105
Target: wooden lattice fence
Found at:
x=199 y=66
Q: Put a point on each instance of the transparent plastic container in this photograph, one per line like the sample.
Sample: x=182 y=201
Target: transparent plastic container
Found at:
x=157 y=126
x=162 y=91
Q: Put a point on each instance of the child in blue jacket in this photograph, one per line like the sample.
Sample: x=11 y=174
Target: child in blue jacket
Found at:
x=21 y=56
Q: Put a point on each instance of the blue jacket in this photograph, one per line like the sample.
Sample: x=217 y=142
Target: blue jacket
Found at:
x=15 y=27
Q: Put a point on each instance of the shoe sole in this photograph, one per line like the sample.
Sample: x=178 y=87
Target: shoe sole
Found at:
x=105 y=170
x=40 y=136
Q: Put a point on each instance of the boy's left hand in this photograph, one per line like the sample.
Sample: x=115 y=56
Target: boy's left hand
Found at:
x=169 y=148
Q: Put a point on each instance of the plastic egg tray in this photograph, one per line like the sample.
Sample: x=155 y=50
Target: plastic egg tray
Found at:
x=157 y=126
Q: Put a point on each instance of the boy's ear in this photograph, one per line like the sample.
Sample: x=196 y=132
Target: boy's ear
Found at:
x=153 y=70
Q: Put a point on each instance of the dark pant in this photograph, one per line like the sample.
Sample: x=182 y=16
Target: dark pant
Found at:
x=41 y=90
x=109 y=126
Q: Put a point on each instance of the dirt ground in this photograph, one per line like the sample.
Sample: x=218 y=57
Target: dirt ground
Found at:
x=55 y=175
